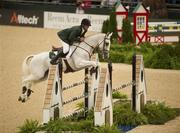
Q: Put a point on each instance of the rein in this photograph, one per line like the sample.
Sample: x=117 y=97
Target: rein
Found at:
x=77 y=46
x=97 y=46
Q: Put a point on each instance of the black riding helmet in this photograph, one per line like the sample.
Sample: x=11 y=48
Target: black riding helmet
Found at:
x=86 y=21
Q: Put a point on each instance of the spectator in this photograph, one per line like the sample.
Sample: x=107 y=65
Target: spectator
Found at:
x=108 y=3
x=79 y=7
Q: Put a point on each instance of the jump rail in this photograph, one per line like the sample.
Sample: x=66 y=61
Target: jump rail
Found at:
x=97 y=94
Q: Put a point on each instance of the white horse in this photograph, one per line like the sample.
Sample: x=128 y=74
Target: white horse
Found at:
x=35 y=67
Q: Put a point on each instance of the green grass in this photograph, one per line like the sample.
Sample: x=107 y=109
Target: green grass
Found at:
x=158 y=113
x=123 y=115
x=30 y=126
x=153 y=113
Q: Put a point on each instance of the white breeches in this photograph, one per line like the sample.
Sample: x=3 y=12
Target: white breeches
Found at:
x=65 y=46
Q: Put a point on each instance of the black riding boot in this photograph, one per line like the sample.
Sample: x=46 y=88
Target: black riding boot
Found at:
x=54 y=60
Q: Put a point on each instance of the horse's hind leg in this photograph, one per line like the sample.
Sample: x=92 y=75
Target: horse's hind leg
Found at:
x=30 y=79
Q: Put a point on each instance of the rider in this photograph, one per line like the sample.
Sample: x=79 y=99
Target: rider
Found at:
x=69 y=36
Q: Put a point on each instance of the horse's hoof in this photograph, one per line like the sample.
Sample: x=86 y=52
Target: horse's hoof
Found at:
x=23 y=101
x=19 y=99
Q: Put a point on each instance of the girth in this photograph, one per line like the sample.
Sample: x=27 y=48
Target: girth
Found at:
x=68 y=67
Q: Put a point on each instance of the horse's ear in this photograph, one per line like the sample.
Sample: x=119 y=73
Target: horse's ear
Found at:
x=107 y=34
x=110 y=34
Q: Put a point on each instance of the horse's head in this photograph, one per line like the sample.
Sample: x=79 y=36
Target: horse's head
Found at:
x=25 y=94
x=105 y=45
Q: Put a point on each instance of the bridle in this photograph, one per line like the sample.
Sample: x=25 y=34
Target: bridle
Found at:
x=93 y=48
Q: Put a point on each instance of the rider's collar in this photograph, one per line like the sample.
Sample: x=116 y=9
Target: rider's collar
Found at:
x=82 y=30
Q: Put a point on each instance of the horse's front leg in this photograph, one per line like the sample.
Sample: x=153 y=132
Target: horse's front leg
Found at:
x=84 y=64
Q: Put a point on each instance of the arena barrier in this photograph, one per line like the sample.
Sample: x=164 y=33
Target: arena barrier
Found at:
x=53 y=103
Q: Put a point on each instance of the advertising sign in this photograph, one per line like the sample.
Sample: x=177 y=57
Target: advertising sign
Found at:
x=65 y=20
x=21 y=18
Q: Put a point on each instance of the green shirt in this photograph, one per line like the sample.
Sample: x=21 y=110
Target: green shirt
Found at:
x=71 y=35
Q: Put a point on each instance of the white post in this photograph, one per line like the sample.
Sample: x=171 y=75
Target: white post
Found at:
x=53 y=98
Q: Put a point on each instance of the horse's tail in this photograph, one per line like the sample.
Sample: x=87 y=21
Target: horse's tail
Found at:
x=25 y=65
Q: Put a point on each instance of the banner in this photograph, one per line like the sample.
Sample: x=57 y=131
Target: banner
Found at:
x=21 y=17
x=66 y=20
